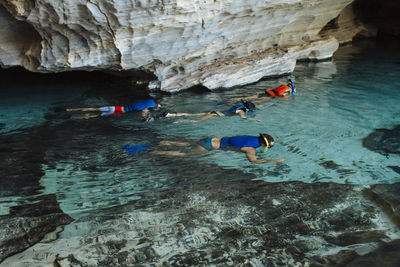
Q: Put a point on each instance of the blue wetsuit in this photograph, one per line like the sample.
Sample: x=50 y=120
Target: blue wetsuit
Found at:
x=239 y=141
x=232 y=110
x=232 y=142
x=139 y=106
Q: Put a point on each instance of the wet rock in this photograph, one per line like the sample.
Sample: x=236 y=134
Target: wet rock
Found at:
x=386 y=255
x=23 y=156
x=395 y=168
x=340 y=259
x=356 y=238
x=27 y=224
x=330 y=164
x=384 y=140
x=241 y=222
x=388 y=198
x=202 y=219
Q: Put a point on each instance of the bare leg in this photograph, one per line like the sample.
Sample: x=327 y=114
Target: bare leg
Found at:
x=169 y=153
x=186 y=114
x=85 y=116
x=174 y=143
x=208 y=115
x=262 y=100
x=82 y=109
x=197 y=149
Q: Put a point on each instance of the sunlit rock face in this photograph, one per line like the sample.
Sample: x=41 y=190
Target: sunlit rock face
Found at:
x=214 y=43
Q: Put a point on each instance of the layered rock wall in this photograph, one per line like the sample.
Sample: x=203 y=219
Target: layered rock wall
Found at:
x=215 y=43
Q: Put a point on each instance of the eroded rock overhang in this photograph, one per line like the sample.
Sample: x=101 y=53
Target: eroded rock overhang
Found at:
x=183 y=43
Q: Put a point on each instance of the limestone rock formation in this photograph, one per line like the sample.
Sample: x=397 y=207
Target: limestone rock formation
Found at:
x=214 y=43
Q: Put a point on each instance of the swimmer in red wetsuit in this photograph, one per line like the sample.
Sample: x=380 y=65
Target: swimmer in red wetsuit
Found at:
x=144 y=107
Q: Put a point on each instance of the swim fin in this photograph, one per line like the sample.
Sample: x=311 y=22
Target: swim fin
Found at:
x=133 y=149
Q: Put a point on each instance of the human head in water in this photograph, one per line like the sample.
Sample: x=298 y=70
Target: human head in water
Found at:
x=249 y=105
x=266 y=140
x=290 y=84
x=282 y=90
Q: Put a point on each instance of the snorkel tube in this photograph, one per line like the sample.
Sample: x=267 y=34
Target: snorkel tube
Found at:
x=293 y=88
x=267 y=145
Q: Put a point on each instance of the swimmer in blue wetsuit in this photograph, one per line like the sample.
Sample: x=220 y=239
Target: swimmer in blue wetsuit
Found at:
x=146 y=107
x=142 y=106
x=239 y=109
x=244 y=143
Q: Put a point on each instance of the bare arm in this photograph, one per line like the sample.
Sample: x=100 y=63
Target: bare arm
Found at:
x=82 y=109
x=241 y=115
x=169 y=153
x=208 y=115
x=173 y=143
x=248 y=98
x=185 y=114
x=251 y=156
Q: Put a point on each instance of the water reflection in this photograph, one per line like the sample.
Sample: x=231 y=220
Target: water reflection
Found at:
x=319 y=133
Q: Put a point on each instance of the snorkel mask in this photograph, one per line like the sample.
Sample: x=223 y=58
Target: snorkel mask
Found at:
x=267 y=144
x=292 y=87
x=249 y=105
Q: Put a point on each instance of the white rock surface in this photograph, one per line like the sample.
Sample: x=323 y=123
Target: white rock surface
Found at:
x=215 y=43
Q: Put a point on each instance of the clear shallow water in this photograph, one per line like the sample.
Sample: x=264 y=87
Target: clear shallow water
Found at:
x=319 y=132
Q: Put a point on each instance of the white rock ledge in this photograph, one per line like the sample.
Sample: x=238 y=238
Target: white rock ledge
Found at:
x=215 y=43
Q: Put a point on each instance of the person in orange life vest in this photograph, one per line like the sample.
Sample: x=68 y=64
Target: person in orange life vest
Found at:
x=283 y=90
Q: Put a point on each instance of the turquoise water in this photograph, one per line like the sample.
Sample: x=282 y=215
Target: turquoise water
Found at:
x=319 y=132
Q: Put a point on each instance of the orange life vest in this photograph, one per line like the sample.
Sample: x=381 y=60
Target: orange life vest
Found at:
x=278 y=91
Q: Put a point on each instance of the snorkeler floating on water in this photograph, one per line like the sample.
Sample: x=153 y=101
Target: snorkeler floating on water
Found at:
x=283 y=90
x=148 y=111
x=239 y=109
x=244 y=143
x=143 y=106
x=146 y=107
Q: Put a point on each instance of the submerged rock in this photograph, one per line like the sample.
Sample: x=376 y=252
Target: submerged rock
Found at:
x=395 y=168
x=240 y=222
x=384 y=140
x=28 y=224
x=212 y=217
x=386 y=255
x=388 y=197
